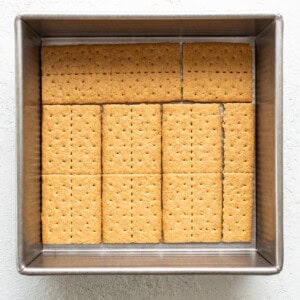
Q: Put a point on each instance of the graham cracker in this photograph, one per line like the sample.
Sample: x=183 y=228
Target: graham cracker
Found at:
x=75 y=74
x=71 y=139
x=145 y=72
x=86 y=139
x=56 y=209
x=56 y=141
x=239 y=133
x=87 y=74
x=131 y=208
x=217 y=72
x=75 y=60
x=71 y=209
x=89 y=88
x=86 y=209
x=131 y=139
x=191 y=138
x=192 y=208
x=145 y=58
x=145 y=87
x=237 y=211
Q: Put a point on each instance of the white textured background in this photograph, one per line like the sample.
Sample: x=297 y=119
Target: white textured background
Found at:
x=283 y=286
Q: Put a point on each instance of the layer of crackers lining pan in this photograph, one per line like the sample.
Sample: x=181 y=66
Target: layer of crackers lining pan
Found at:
x=75 y=180
x=161 y=134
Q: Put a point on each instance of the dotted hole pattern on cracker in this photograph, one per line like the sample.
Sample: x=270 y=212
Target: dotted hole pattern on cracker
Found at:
x=119 y=165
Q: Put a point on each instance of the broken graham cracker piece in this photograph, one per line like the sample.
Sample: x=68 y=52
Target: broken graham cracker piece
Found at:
x=217 y=72
x=71 y=139
x=131 y=208
x=131 y=139
x=238 y=123
x=191 y=138
x=86 y=74
x=237 y=207
x=71 y=209
x=192 y=208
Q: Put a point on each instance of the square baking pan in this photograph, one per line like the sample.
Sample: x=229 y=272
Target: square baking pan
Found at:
x=264 y=255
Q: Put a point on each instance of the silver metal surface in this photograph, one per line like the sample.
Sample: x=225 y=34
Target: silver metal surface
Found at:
x=28 y=139
x=147 y=25
x=262 y=256
x=269 y=175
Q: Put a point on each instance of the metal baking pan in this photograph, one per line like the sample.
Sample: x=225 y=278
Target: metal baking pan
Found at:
x=264 y=255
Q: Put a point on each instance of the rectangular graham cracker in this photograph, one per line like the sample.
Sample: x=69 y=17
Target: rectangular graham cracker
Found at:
x=192 y=208
x=75 y=74
x=131 y=208
x=191 y=138
x=131 y=139
x=75 y=60
x=87 y=74
x=238 y=124
x=145 y=72
x=237 y=211
x=145 y=87
x=71 y=139
x=217 y=72
x=76 y=89
x=71 y=209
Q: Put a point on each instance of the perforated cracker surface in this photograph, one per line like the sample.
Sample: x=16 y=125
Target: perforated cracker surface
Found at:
x=192 y=208
x=110 y=73
x=217 y=72
x=71 y=139
x=191 y=138
x=56 y=141
x=71 y=209
x=131 y=139
x=238 y=126
x=131 y=209
x=237 y=211
x=190 y=153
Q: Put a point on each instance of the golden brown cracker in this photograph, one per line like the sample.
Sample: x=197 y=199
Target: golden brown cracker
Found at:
x=110 y=73
x=75 y=60
x=71 y=139
x=56 y=209
x=145 y=58
x=145 y=72
x=145 y=87
x=229 y=57
x=72 y=89
x=85 y=139
x=217 y=72
x=75 y=74
x=211 y=87
x=131 y=139
x=131 y=208
x=237 y=211
x=71 y=209
x=86 y=209
x=239 y=134
x=56 y=142
x=192 y=208
x=191 y=138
